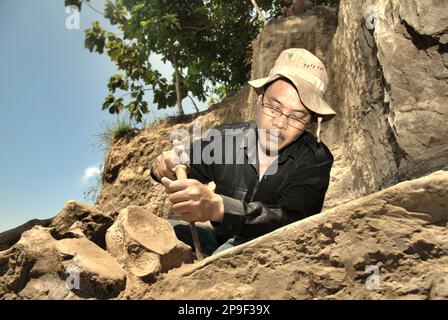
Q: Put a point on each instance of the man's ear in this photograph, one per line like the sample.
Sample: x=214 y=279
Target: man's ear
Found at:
x=257 y=100
x=260 y=94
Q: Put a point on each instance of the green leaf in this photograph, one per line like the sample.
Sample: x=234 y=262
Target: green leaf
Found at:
x=108 y=101
x=114 y=53
x=144 y=107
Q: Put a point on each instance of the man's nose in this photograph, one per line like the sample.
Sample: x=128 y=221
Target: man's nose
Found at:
x=281 y=121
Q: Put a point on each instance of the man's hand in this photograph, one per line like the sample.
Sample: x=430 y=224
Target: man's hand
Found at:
x=164 y=164
x=193 y=200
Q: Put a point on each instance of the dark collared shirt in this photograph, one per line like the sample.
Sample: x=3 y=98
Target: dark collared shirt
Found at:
x=292 y=188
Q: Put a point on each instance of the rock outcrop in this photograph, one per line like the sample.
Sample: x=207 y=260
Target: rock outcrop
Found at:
x=392 y=244
x=10 y=237
x=78 y=219
x=75 y=220
x=297 y=7
x=388 y=69
x=41 y=267
x=47 y=263
x=145 y=244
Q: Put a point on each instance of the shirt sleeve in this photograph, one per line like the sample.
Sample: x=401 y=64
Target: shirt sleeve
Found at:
x=302 y=197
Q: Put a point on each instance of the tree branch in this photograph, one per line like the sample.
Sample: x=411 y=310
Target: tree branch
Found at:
x=194 y=103
x=260 y=14
x=128 y=93
x=91 y=7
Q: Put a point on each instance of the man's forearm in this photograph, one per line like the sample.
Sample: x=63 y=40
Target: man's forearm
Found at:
x=254 y=219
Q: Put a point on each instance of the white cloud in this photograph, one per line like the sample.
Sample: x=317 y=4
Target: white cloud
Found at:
x=90 y=172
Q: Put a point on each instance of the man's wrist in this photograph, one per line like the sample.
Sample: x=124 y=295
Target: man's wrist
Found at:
x=219 y=214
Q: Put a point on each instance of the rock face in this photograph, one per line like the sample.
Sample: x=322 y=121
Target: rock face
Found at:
x=388 y=66
x=77 y=218
x=41 y=267
x=145 y=244
x=392 y=244
x=64 y=262
x=10 y=237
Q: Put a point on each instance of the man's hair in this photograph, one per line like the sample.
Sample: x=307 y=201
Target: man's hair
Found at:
x=267 y=85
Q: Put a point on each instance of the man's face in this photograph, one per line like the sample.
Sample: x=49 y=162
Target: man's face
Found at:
x=283 y=96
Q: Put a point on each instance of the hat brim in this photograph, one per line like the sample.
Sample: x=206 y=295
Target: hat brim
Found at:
x=309 y=96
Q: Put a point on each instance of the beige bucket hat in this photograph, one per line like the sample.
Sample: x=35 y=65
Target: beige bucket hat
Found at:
x=309 y=76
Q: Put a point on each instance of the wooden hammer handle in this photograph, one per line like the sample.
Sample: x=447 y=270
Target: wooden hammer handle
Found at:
x=181 y=173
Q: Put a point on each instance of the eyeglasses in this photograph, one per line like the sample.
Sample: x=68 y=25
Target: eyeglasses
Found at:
x=275 y=112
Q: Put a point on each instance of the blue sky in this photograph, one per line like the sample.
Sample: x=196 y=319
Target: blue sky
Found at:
x=51 y=92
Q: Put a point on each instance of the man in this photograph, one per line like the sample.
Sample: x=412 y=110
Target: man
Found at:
x=289 y=177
